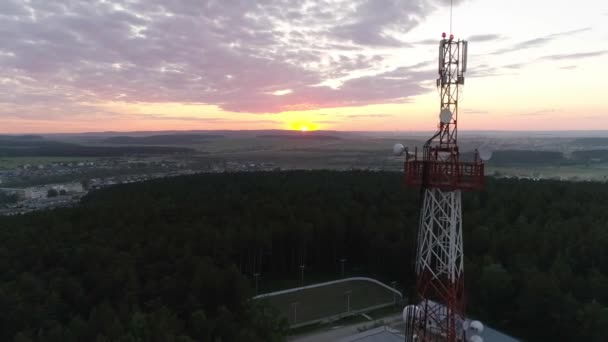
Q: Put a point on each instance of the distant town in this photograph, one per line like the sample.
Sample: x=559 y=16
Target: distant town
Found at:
x=21 y=199
x=42 y=172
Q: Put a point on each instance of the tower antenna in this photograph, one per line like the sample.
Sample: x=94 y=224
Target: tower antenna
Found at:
x=442 y=176
x=451 y=11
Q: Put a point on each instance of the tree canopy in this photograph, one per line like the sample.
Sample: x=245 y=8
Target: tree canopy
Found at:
x=172 y=259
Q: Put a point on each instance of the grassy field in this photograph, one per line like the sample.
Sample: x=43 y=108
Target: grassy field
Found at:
x=305 y=154
x=321 y=302
x=572 y=172
x=350 y=151
x=373 y=153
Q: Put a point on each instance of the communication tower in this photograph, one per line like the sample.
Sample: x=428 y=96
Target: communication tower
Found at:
x=442 y=176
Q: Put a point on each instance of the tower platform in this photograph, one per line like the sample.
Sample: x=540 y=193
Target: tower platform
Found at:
x=445 y=175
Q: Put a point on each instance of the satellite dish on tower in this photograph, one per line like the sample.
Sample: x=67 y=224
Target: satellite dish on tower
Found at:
x=476 y=326
x=485 y=153
x=445 y=116
x=410 y=312
x=398 y=149
x=475 y=338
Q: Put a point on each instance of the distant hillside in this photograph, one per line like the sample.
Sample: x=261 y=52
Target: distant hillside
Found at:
x=506 y=157
x=590 y=155
x=299 y=137
x=23 y=143
x=224 y=133
x=20 y=137
x=591 y=141
x=35 y=147
x=170 y=139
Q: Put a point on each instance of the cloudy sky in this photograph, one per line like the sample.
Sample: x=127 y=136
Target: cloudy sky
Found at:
x=97 y=65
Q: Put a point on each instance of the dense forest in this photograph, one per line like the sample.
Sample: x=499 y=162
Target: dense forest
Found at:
x=526 y=157
x=172 y=259
x=35 y=146
x=591 y=155
x=165 y=139
x=591 y=141
x=7 y=198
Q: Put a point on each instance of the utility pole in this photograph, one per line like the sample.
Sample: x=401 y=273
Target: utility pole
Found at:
x=394 y=285
x=256 y=276
x=302 y=274
x=295 y=312
x=348 y=293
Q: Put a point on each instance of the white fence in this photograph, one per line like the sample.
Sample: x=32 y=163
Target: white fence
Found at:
x=340 y=315
x=296 y=289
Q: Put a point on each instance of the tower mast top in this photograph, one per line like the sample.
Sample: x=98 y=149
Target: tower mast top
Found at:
x=440 y=165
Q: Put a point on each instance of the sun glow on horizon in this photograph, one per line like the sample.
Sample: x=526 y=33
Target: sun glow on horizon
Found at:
x=300 y=121
x=529 y=75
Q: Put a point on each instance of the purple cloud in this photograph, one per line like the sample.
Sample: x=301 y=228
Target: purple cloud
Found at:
x=233 y=54
x=484 y=37
x=540 y=41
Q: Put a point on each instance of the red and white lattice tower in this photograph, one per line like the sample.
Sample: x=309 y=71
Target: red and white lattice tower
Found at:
x=442 y=176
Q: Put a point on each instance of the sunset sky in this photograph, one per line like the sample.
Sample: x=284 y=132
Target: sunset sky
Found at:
x=126 y=65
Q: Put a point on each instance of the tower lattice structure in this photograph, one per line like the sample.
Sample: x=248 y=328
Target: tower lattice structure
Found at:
x=442 y=176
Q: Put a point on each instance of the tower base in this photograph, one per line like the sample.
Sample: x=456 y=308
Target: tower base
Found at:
x=439 y=269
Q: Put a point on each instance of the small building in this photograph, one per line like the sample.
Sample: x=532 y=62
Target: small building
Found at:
x=38 y=192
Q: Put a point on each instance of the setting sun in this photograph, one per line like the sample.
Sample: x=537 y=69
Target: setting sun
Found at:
x=299 y=122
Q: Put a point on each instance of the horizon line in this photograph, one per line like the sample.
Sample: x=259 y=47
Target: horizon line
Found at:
x=308 y=132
